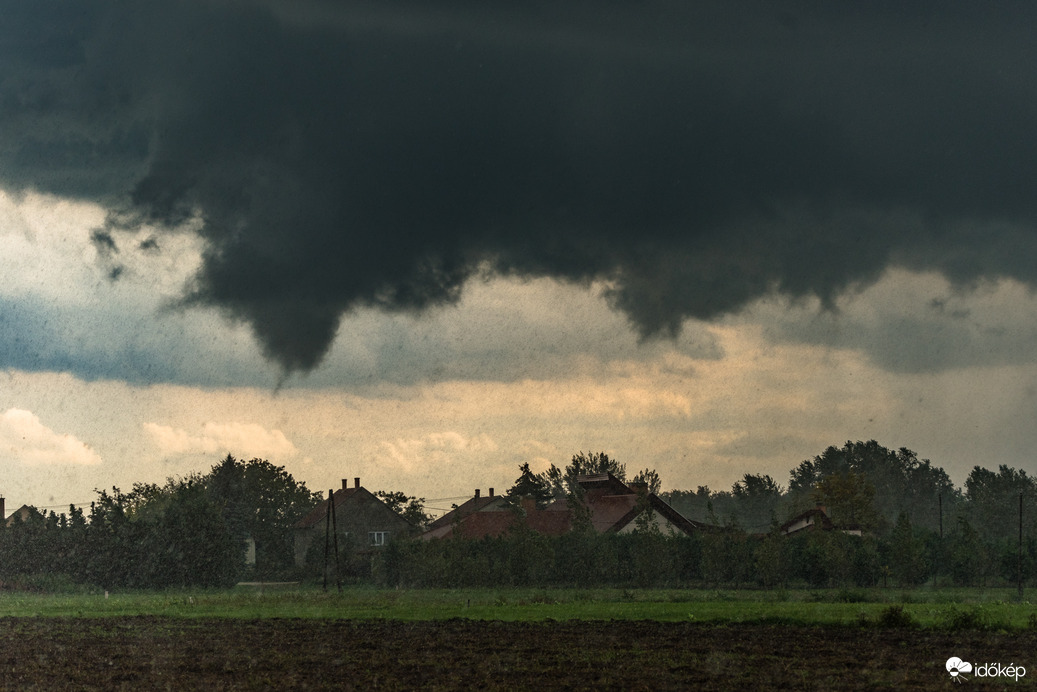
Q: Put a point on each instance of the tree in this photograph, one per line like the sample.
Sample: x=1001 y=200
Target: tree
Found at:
x=585 y=464
x=650 y=478
x=968 y=555
x=901 y=481
x=407 y=506
x=188 y=541
x=562 y=483
x=727 y=557
x=644 y=522
x=701 y=505
x=261 y=500
x=530 y=484
x=158 y=536
x=848 y=499
x=756 y=499
x=769 y=560
x=993 y=502
x=906 y=558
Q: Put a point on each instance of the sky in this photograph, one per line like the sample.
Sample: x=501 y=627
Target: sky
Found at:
x=421 y=244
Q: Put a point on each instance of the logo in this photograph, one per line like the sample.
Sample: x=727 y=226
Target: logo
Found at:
x=956 y=667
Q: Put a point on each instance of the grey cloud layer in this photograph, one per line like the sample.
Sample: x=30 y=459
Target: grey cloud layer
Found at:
x=696 y=155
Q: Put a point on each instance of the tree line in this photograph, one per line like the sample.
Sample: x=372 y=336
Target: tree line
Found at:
x=192 y=531
x=895 y=520
x=915 y=526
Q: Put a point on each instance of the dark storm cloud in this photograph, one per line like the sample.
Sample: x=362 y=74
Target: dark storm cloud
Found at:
x=697 y=155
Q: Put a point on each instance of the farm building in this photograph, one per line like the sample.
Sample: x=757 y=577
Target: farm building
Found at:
x=360 y=515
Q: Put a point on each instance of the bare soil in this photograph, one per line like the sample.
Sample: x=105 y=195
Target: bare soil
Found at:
x=143 y=653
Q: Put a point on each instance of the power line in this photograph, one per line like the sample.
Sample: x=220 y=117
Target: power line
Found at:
x=62 y=506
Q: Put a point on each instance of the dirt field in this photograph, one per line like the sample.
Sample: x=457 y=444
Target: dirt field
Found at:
x=166 y=653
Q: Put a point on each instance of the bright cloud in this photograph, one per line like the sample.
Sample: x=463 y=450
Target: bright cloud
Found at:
x=435 y=450
x=240 y=439
x=24 y=438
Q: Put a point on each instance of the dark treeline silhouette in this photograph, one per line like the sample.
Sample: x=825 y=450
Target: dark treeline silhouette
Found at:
x=915 y=524
x=861 y=484
x=194 y=531
x=893 y=520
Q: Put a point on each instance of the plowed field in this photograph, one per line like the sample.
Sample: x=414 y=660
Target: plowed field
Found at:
x=188 y=654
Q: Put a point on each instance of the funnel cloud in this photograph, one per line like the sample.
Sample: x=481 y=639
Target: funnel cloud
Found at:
x=335 y=156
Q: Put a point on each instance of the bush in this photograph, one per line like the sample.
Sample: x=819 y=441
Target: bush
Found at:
x=896 y=617
x=974 y=619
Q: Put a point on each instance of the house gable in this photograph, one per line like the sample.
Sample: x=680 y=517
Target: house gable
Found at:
x=21 y=514
x=359 y=514
x=614 y=507
x=664 y=517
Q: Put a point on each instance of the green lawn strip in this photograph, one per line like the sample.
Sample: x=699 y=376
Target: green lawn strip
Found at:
x=962 y=609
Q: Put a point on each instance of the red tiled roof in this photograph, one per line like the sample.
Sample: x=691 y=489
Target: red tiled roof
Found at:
x=612 y=504
x=476 y=504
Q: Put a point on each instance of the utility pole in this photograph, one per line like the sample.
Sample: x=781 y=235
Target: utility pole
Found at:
x=327 y=537
x=331 y=536
x=939 y=557
x=1019 y=562
x=334 y=534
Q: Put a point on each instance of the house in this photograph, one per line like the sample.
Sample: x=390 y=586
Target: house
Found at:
x=21 y=514
x=359 y=514
x=815 y=519
x=478 y=518
x=442 y=526
x=612 y=506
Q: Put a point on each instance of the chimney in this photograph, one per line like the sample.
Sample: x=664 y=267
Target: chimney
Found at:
x=2 y=511
x=491 y=492
x=357 y=481
x=476 y=493
x=345 y=483
x=528 y=504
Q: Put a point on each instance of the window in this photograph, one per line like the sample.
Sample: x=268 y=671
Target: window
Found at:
x=379 y=537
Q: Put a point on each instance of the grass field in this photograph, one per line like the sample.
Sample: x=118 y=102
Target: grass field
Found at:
x=287 y=637
x=984 y=609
